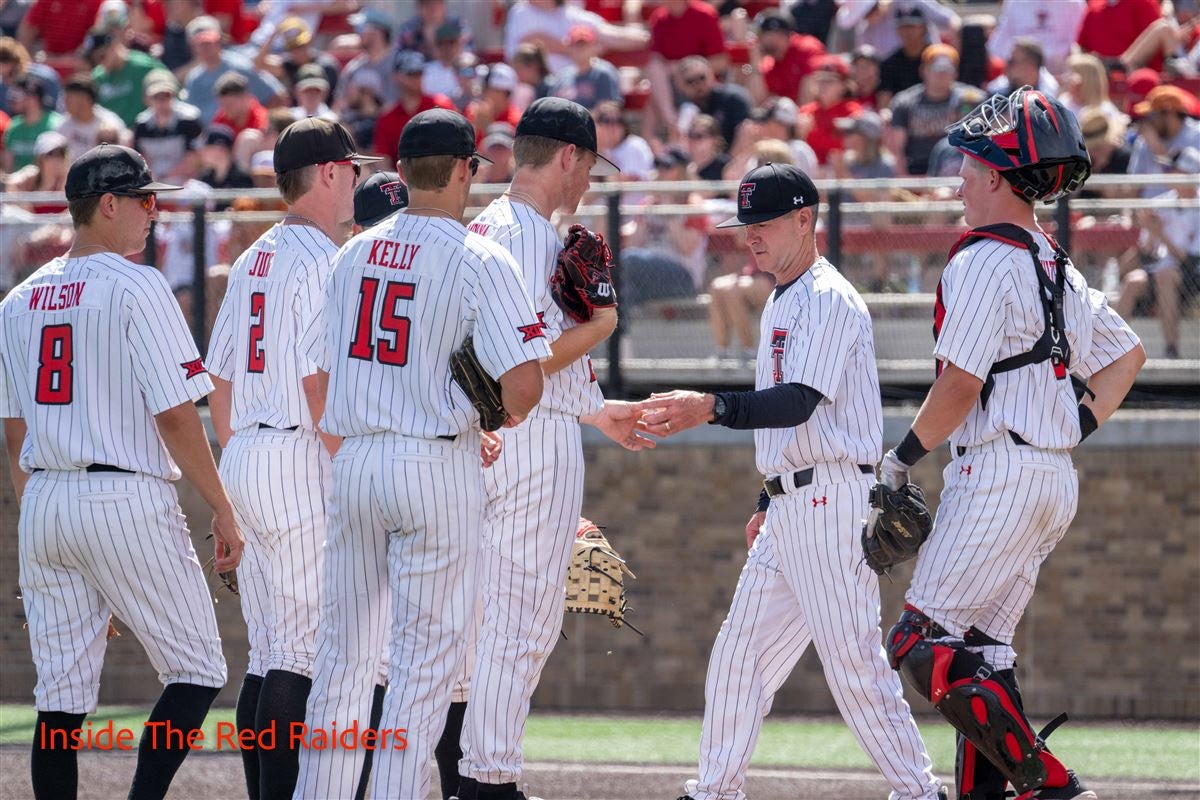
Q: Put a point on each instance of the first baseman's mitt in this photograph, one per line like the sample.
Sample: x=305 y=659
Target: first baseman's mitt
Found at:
x=582 y=279
x=481 y=388
x=899 y=523
x=595 y=576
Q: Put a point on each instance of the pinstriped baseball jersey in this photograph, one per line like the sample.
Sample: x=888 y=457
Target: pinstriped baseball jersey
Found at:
x=276 y=292
x=405 y=293
x=990 y=310
x=535 y=245
x=817 y=331
x=92 y=348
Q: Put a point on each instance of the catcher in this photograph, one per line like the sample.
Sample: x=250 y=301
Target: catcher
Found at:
x=535 y=489
x=1013 y=321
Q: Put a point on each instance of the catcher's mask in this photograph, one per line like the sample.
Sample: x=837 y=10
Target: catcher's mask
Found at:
x=1030 y=139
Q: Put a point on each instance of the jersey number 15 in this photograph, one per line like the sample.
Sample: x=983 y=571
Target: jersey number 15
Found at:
x=365 y=346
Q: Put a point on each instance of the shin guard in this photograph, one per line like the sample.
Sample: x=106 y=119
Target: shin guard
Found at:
x=972 y=696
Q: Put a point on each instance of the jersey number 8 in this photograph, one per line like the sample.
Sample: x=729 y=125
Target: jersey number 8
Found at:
x=55 y=375
x=364 y=346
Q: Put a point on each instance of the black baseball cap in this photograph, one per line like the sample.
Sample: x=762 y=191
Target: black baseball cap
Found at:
x=565 y=121
x=111 y=168
x=771 y=191
x=314 y=140
x=438 y=132
x=378 y=197
x=772 y=19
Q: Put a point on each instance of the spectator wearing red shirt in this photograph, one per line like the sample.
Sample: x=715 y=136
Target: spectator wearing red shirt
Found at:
x=61 y=25
x=1110 y=27
x=830 y=78
x=239 y=110
x=678 y=29
x=866 y=76
x=786 y=58
x=409 y=68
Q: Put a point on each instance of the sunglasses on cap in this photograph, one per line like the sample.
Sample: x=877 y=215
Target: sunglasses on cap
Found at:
x=149 y=200
x=474 y=163
x=354 y=164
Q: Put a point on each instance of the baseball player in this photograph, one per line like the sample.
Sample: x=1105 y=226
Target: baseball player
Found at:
x=376 y=199
x=1014 y=320
x=98 y=377
x=275 y=463
x=817 y=424
x=535 y=491
x=407 y=501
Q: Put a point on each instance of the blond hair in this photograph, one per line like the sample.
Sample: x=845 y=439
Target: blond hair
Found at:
x=1093 y=79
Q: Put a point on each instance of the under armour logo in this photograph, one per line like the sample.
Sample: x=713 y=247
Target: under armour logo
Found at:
x=393 y=191
x=823 y=500
x=965 y=470
x=744 y=193
x=797 y=201
x=537 y=330
x=193 y=368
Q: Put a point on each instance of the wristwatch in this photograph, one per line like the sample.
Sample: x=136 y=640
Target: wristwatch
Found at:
x=719 y=409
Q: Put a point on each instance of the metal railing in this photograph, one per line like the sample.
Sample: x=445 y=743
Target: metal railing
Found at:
x=851 y=232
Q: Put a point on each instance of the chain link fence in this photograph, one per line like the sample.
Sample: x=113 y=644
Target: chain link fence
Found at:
x=690 y=294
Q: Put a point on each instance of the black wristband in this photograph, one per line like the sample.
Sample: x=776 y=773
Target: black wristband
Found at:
x=910 y=451
x=730 y=403
x=1087 y=422
x=764 y=501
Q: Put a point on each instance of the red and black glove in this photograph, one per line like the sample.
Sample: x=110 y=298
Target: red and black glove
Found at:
x=582 y=279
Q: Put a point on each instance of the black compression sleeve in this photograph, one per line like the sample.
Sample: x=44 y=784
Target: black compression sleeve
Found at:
x=784 y=406
x=1087 y=422
x=764 y=502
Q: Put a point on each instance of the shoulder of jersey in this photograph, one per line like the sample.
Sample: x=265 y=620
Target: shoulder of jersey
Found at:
x=831 y=282
x=485 y=249
x=301 y=240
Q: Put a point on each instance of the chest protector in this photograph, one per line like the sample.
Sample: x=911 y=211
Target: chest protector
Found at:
x=1052 y=345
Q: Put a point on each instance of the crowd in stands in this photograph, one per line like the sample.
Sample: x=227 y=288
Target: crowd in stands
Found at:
x=680 y=90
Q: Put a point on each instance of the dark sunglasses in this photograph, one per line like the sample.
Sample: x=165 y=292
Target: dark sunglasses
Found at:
x=148 y=199
x=695 y=79
x=354 y=164
x=474 y=164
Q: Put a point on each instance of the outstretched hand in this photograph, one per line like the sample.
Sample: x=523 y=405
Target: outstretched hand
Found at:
x=622 y=422
x=668 y=413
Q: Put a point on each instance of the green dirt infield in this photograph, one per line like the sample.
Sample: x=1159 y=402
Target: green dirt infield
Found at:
x=1169 y=751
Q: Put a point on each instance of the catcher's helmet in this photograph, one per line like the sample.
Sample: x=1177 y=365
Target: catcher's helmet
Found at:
x=1030 y=139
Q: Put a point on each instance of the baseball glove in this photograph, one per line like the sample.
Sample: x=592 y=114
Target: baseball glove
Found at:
x=481 y=388
x=582 y=279
x=899 y=523
x=595 y=576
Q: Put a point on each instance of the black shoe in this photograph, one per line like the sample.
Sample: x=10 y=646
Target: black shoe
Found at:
x=1074 y=790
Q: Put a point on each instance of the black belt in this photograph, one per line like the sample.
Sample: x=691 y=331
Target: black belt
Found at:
x=962 y=450
x=449 y=437
x=803 y=477
x=102 y=468
x=262 y=426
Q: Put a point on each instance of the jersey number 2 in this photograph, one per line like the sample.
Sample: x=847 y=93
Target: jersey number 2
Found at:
x=55 y=375
x=365 y=346
x=256 y=361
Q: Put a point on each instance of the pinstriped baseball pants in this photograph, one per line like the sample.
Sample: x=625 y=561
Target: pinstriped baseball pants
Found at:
x=1003 y=509
x=405 y=516
x=804 y=581
x=535 y=492
x=95 y=544
x=277 y=481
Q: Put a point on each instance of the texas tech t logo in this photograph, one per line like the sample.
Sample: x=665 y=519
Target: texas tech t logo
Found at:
x=744 y=193
x=778 y=343
x=392 y=190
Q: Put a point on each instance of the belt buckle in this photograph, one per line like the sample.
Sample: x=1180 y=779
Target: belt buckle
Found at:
x=773 y=487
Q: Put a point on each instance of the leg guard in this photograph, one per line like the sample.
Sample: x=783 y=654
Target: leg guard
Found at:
x=973 y=698
x=975 y=777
